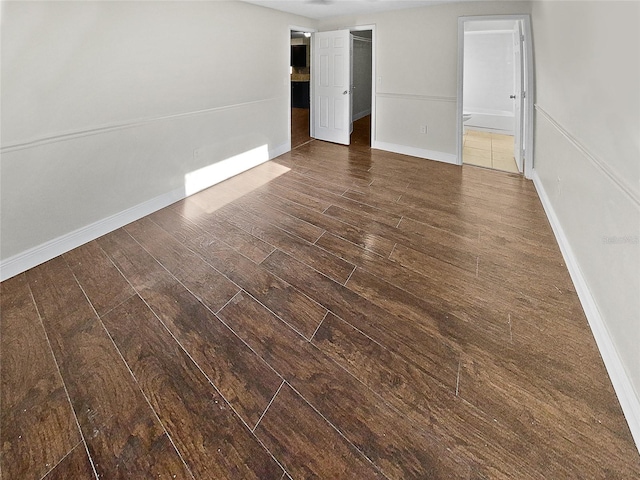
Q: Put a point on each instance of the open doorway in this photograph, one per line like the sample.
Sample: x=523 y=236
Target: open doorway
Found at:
x=495 y=74
x=339 y=71
x=300 y=78
x=361 y=86
x=489 y=93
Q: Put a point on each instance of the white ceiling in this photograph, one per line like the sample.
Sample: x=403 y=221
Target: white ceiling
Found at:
x=332 y=8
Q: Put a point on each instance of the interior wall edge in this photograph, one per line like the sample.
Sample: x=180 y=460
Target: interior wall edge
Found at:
x=598 y=162
x=416 y=152
x=622 y=383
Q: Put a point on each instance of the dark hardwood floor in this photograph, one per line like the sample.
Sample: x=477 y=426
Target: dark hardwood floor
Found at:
x=360 y=137
x=339 y=313
x=299 y=127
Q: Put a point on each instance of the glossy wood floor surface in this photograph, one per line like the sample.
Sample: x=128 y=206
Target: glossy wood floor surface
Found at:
x=338 y=313
x=299 y=127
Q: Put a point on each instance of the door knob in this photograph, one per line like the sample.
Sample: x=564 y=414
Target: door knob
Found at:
x=346 y=92
x=512 y=97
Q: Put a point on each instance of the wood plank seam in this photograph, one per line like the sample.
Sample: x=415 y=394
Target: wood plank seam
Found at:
x=349 y=278
x=184 y=349
x=253 y=430
x=64 y=385
x=355 y=447
x=334 y=233
x=316 y=240
x=240 y=292
x=176 y=278
x=373 y=392
x=319 y=325
x=59 y=462
x=135 y=379
x=240 y=417
x=393 y=249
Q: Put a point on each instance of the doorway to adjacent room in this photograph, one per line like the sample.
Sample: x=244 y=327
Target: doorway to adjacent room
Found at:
x=332 y=84
x=494 y=110
x=300 y=72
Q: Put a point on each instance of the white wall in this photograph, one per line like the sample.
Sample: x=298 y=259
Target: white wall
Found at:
x=488 y=72
x=489 y=79
x=107 y=106
x=587 y=167
x=416 y=64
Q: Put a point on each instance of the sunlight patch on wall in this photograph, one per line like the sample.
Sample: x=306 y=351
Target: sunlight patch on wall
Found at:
x=240 y=174
x=217 y=172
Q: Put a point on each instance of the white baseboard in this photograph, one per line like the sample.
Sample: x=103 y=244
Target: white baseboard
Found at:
x=416 y=152
x=42 y=253
x=279 y=150
x=491 y=122
x=488 y=130
x=622 y=385
x=359 y=115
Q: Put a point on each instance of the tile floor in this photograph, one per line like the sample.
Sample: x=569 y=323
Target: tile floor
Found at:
x=491 y=150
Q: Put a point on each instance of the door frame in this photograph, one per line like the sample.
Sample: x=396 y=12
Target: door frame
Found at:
x=359 y=28
x=296 y=28
x=527 y=113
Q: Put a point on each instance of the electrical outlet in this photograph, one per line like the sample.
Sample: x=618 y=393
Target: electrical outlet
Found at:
x=423 y=129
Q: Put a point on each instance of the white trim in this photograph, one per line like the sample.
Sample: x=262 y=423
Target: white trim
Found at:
x=279 y=150
x=488 y=32
x=359 y=115
x=359 y=28
x=368 y=111
x=35 y=256
x=416 y=152
x=372 y=27
x=51 y=249
x=489 y=130
x=597 y=161
x=622 y=385
x=72 y=135
x=411 y=96
x=529 y=82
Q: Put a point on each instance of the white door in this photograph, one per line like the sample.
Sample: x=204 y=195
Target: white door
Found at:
x=331 y=82
x=518 y=95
